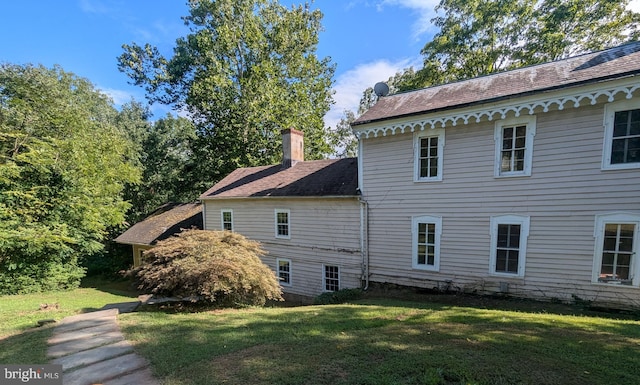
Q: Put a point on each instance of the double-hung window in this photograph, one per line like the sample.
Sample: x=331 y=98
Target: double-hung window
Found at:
x=331 y=278
x=284 y=271
x=426 y=231
x=282 y=224
x=622 y=135
x=226 y=218
x=428 y=152
x=509 y=235
x=616 y=249
x=514 y=146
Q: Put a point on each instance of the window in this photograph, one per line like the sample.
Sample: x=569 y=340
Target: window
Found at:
x=331 y=278
x=282 y=224
x=429 y=146
x=509 y=235
x=284 y=271
x=227 y=219
x=616 y=248
x=514 y=146
x=622 y=135
x=426 y=242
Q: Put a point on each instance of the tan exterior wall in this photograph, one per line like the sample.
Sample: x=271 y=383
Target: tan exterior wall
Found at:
x=322 y=231
x=565 y=191
x=137 y=253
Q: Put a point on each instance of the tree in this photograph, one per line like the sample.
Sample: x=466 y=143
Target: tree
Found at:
x=571 y=27
x=221 y=267
x=479 y=37
x=343 y=139
x=166 y=158
x=63 y=166
x=247 y=70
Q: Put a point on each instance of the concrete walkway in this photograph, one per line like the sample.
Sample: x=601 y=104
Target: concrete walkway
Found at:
x=92 y=350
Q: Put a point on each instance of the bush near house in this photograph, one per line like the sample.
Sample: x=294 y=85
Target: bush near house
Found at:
x=220 y=267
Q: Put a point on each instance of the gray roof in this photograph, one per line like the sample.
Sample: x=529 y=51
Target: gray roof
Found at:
x=166 y=221
x=317 y=178
x=617 y=62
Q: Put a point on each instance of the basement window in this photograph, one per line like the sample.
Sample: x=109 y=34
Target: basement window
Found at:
x=331 y=278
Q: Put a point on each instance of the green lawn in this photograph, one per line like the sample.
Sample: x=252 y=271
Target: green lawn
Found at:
x=371 y=341
x=385 y=342
x=21 y=342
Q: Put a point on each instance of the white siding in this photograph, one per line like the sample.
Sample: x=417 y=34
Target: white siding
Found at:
x=323 y=231
x=565 y=191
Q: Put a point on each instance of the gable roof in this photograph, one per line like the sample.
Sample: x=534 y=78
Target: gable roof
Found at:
x=318 y=178
x=617 y=62
x=166 y=221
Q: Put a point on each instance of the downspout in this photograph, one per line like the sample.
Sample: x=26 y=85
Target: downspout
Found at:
x=364 y=219
x=204 y=214
x=364 y=240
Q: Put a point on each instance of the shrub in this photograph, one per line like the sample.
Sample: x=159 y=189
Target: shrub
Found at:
x=32 y=276
x=335 y=297
x=110 y=262
x=217 y=266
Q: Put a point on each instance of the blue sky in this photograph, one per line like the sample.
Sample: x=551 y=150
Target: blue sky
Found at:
x=369 y=40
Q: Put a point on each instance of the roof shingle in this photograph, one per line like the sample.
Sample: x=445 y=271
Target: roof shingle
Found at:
x=615 y=62
x=330 y=177
x=166 y=221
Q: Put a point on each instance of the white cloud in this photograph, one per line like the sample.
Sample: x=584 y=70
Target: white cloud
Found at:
x=119 y=97
x=634 y=5
x=424 y=9
x=350 y=85
x=93 y=6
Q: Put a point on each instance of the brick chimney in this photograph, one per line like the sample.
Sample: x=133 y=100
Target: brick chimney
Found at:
x=292 y=147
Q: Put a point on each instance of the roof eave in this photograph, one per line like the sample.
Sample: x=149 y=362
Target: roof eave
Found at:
x=283 y=197
x=499 y=99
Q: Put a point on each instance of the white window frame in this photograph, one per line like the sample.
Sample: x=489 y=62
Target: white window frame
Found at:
x=222 y=212
x=428 y=133
x=428 y=219
x=324 y=277
x=610 y=110
x=634 y=267
x=509 y=219
x=288 y=261
x=530 y=122
x=277 y=234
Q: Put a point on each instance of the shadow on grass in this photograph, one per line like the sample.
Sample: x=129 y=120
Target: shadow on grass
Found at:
x=26 y=347
x=385 y=342
x=122 y=287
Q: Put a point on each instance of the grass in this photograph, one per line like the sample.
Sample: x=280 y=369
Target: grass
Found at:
x=22 y=342
x=376 y=341
x=370 y=341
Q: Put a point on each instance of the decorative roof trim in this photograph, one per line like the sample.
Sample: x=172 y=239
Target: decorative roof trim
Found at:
x=500 y=111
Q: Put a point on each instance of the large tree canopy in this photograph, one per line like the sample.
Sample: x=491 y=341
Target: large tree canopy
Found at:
x=63 y=165
x=479 y=37
x=166 y=160
x=247 y=70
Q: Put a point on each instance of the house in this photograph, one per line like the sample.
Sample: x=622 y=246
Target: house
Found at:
x=306 y=215
x=167 y=220
x=524 y=182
